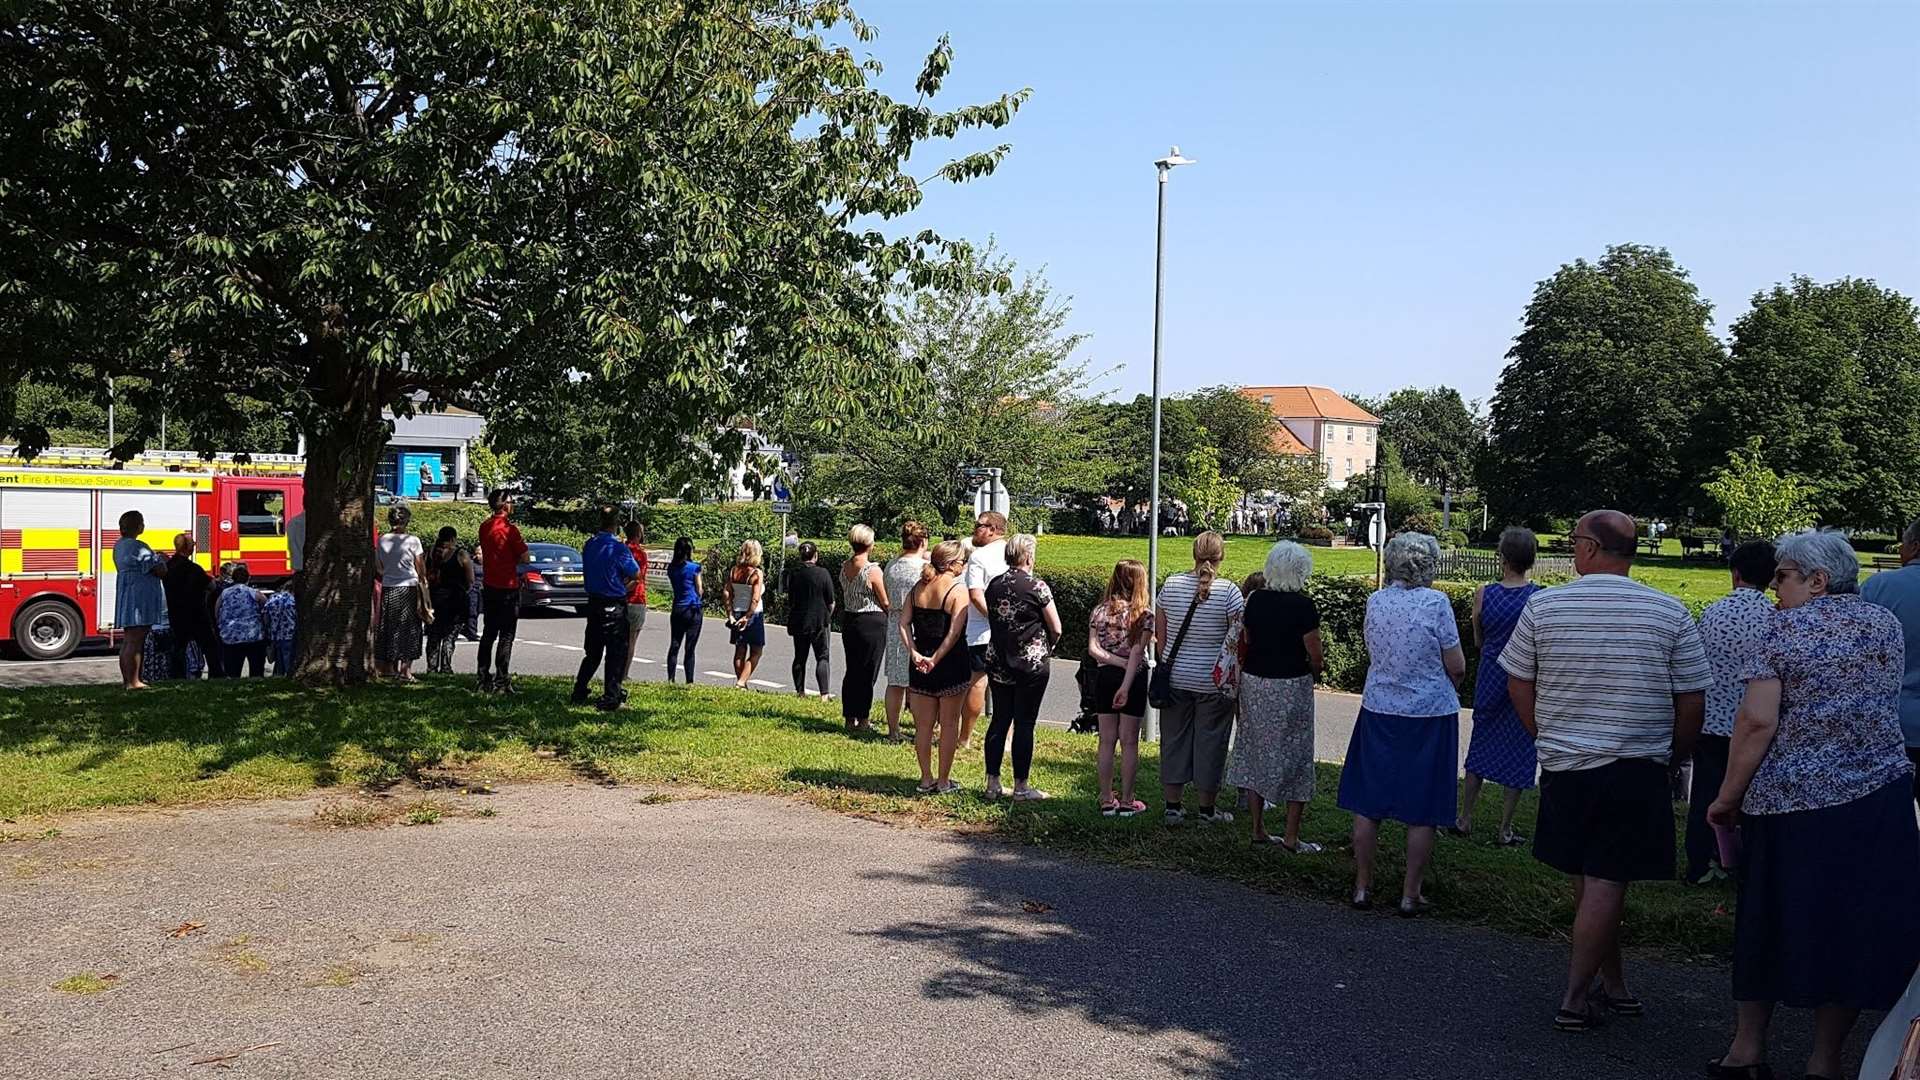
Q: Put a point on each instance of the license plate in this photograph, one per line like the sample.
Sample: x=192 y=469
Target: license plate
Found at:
x=571 y=579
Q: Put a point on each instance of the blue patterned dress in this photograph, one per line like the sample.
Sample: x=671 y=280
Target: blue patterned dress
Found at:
x=1501 y=750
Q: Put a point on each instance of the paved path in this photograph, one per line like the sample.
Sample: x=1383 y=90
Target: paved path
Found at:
x=549 y=644
x=584 y=932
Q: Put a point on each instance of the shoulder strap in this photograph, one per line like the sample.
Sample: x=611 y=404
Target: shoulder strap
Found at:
x=1184 y=623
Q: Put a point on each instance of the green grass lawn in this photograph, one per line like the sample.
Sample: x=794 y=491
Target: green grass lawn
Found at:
x=76 y=748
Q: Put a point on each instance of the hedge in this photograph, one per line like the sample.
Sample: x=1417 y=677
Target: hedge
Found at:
x=1076 y=591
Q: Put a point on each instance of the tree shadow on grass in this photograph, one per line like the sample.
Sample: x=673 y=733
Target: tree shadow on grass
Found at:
x=1217 y=981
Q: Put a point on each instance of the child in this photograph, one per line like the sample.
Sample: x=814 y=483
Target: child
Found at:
x=279 y=611
x=1117 y=639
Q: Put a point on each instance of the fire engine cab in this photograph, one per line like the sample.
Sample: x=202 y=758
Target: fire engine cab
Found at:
x=60 y=515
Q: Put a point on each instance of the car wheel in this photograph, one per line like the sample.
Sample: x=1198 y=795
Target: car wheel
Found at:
x=48 y=630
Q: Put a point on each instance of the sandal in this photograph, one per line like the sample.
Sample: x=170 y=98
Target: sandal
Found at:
x=1129 y=809
x=1618 y=1006
x=947 y=788
x=992 y=791
x=1303 y=847
x=1109 y=807
x=1576 y=1022
x=1032 y=794
x=1511 y=839
x=1362 y=900
x=1413 y=906
x=925 y=789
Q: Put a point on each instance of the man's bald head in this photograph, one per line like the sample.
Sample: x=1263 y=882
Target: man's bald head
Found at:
x=1611 y=529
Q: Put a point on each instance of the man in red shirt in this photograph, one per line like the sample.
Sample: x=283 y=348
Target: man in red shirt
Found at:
x=501 y=553
x=636 y=596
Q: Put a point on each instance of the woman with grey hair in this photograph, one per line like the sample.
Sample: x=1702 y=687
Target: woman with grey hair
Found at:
x=1273 y=754
x=1402 y=758
x=1818 y=781
x=403 y=567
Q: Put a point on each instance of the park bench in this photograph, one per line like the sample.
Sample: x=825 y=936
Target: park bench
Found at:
x=1886 y=562
x=1698 y=547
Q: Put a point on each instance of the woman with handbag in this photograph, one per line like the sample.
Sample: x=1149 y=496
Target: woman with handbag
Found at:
x=1195 y=617
x=1280 y=637
x=1116 y=641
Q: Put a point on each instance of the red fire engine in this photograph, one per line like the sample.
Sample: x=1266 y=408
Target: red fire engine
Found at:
x=59 y=520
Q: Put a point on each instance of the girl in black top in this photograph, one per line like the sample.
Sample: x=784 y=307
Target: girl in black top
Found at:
x=449 y=579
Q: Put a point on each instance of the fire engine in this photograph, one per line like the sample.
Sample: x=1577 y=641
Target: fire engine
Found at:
x=60 y=517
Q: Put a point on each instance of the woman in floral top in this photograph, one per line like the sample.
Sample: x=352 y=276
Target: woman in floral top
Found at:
x=1829 y=915
x=1025 y=625
x=1116 y=639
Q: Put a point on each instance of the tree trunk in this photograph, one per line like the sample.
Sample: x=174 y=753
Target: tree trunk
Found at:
x=336 y=581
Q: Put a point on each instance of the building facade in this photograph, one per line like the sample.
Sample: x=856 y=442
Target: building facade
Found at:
x=1316 y=420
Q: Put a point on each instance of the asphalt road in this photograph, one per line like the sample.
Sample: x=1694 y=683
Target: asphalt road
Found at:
x=587 y=931
x=549 y=643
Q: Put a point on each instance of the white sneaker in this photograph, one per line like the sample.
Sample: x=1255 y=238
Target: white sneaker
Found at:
x=1174 y=817
x=1223 y=817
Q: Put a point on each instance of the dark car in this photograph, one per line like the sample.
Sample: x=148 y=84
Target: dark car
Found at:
x=552 y=576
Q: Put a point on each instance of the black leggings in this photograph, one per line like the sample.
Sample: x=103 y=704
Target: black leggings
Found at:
x=244 y=658
x=865 y=638
x=685 y=622
x=1016 y=705
x=818 y=642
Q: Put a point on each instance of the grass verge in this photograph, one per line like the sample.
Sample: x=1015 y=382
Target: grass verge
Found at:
x=65 y=749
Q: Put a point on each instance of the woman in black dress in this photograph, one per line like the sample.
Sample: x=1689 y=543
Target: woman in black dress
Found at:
x=449 y=577
x=933 y=624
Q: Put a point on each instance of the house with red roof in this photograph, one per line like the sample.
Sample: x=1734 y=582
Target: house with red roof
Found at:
x=1319 y=421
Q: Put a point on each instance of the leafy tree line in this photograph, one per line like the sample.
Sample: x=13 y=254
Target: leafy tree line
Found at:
x=660 y=209
x=1617 y=393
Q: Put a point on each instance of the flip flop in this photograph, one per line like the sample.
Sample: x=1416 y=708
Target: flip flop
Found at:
x=1032 y=794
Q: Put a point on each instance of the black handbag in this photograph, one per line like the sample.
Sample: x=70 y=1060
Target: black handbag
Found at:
x=1160 y=686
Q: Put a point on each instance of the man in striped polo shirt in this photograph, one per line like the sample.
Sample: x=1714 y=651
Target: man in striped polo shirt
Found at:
x=1610 y=678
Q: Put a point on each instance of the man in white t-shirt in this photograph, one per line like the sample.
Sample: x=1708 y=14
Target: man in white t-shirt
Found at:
x=988 y=561
x=1610 y=678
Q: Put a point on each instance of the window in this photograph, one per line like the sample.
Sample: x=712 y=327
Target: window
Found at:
x=1267 y=400
x=1329 y=468
x=260 y=512
x=1349 y=432
x=1369 y=435
x=1349 y=466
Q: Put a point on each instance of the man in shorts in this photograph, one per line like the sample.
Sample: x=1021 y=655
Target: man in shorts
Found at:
x=1610 y=678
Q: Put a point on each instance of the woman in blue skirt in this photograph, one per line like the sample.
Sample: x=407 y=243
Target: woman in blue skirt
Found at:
x=1818 y=780
x=1501 y=750
x=1401 y=762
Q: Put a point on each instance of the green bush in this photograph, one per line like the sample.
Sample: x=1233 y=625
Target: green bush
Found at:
x=1317 y=535
x=711 y=521
x=1455 y=539
x=1874 y=543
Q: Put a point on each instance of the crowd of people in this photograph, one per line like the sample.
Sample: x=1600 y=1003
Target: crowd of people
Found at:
x=180 y=622
x=1800 y=715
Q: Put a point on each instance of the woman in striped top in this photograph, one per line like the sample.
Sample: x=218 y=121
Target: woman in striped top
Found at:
x=1190 y=625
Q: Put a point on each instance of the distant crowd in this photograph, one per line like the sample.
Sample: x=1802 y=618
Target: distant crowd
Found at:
x=1799 y=716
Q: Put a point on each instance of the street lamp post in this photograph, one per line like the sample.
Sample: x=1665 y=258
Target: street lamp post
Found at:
x=1165 y=165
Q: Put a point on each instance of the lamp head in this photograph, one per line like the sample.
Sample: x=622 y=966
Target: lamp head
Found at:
x=1172 y=159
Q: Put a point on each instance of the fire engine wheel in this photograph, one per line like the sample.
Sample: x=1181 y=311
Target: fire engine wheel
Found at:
x=47 y=630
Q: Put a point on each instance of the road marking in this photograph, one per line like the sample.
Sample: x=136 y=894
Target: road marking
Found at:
x=763 y=682
x=721 y=674
x=644 y=660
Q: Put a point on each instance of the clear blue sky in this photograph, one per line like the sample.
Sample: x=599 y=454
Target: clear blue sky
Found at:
x=1380 y=186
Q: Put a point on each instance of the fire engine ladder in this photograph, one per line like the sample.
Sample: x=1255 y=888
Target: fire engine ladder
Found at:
x=227 y=464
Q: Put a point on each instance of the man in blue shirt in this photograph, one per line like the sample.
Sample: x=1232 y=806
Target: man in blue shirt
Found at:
x=1899 y=592
x=610 y=571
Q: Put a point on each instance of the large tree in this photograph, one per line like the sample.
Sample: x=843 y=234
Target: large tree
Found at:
x=1437 y=434
x=346 y=208
x=1828 y=377
x=992 y=379
x=1601 y=389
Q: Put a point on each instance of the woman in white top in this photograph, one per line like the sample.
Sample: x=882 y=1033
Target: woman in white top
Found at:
x=1403 y=759
x=901 y=575
x=1196 y=614
x=402 y=569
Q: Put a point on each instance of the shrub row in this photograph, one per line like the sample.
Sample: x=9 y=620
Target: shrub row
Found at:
x=1076 y=591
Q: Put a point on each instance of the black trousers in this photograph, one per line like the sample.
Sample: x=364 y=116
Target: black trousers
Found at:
x=685 y=623
x=209 y=642
x=252 y=655
x=1709 y=771
x=501 y=610
x=865 y=639
x=1016 y=706
x=606 y=639
x=819 y=642
x=1913 y=754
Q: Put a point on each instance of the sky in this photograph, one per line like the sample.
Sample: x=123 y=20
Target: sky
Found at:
x=1379 y=187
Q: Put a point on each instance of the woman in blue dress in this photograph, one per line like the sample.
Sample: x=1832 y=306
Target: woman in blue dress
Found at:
x=1500 y=750
x=139 y=599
